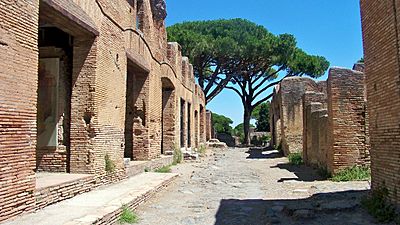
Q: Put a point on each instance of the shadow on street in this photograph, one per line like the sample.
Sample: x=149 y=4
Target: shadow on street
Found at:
x=326 y=208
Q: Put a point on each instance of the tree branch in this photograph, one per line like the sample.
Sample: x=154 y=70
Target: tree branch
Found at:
x=270 y=85
x=219 y=87
x=263 y=100
x=237 y=91
x=213 y=78
x=268 y=77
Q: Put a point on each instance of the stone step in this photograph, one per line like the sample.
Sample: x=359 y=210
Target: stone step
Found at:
x=134 y=168
x=100 y=206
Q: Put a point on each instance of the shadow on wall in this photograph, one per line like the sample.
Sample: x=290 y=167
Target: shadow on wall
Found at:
x=263 y=153
x=326 y=208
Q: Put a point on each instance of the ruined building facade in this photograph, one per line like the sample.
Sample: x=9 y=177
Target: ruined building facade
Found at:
x=380 y=24
x=85 y=84
x=326 y=121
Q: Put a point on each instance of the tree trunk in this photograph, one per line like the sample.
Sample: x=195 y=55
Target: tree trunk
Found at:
x=246 y=125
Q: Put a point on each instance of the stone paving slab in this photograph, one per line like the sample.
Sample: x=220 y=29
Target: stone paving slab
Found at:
x=91 y=207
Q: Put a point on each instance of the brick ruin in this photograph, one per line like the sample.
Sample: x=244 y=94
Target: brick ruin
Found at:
x=380 y=24
x=84 y=82
x=287 y=113
x=326 y=121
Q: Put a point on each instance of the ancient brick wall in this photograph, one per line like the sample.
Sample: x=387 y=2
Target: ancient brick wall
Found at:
x=381 y=52
x=335 y=132
x=115 y=98
x=288 y=112
x=346 y=109
x=274 y=118
x=18 y=81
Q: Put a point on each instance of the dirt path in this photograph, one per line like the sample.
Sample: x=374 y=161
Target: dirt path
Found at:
x=242 y=187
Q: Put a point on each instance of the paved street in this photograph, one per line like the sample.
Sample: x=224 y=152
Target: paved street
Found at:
x=239 y=187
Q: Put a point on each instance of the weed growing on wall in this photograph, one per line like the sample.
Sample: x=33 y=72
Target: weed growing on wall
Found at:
x=110 y=165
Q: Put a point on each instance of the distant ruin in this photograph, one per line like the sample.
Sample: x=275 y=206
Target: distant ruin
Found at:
x=326 y=121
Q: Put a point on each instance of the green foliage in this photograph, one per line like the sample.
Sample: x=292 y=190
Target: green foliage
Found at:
x=244 y=57
x=127 y=216
x=221 y=124
x=110 y=165
x=164 y=169
x=355 y=173
x=238 y=131
x=261 y=114
x=378 y=205
x=237 y=50
x=202 y=150
x=295 y=158
x=177 y=156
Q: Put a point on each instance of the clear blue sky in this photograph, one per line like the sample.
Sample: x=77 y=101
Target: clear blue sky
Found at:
x=323 y=27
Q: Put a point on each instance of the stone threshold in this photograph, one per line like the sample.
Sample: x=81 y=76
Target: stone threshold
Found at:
x=101 y=206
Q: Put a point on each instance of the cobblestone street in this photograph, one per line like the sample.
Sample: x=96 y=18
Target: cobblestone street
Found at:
x=253 y=187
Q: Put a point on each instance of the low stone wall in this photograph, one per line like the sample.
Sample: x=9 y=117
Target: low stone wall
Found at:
x=53 y=194
x=56 y=193
x=113 y=217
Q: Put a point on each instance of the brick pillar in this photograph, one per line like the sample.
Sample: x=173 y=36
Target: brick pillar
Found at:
x=346 y=108
x=83 y=111
x=209 y=127
x=202 y=125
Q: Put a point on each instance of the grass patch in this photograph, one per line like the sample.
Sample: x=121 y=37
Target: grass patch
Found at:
x=202 y=150
x=355 y=173
x=164 y=169
x=377 y=204
x=177 y=156
x=110 y=165
x=295 y=159
x=128 y=216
